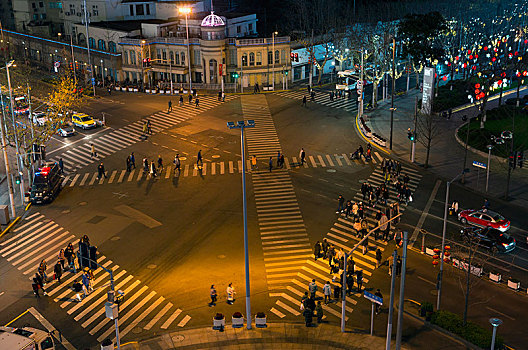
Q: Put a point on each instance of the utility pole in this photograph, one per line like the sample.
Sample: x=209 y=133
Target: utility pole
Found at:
x=362 y=79
x=310 y=63
x=392 y=91
x=507 y=194
x=413 y=144
x=343 y=301
x=399 y=328
x=30 y=170
x=6 y=159
x=391 y=301
x=88 y=45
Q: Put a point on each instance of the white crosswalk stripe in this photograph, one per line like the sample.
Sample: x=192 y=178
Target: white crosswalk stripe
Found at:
x=116 y=140
x=323 y=97
x=38 y=238
x=300 y=272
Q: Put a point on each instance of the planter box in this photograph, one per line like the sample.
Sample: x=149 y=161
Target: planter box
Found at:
x=162 y=91
x=429 y=251
x=237 y=322
x=130 y=89
x=513 y=284
x=136 y=90
x=147 y=91
x=218 y=324
x=153 y=91
x=167 y=92
x=260 y=322
x=495 y=277
x=117 y=88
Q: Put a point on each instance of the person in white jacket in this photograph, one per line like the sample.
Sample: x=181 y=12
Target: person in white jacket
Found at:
x=327 y=291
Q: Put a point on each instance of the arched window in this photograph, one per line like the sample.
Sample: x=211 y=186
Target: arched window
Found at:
x=183 y=57
x=91 y=41
x=259 y=58
x=125 y=57
x=251 y=58
x=270 y=57
x=112 y=47
x=177 y=58
x=101 y=44
x=81 y=39
x=132 y=57
x=277 y=57
x=171 y=57
x=244 y=60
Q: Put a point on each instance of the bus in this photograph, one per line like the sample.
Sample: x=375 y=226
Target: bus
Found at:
x=347 y=80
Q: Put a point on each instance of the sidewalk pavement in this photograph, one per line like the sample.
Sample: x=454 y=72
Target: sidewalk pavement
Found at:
x=447 y=154
x=275 y=336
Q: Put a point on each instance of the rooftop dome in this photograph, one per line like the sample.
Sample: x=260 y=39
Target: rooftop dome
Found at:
x=212 y=20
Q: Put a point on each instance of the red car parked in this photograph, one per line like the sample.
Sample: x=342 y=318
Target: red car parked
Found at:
x=484 y=218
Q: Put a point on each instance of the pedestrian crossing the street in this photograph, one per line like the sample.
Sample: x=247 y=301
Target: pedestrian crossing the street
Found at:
x=118 y=139
x=38 y=238
x=323 y=97
x=292 y=276
x=210 y=169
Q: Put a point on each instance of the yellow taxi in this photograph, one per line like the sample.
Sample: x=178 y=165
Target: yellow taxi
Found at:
x=83 y=121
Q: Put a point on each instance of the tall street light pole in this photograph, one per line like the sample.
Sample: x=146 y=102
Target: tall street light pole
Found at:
x=440 y=274
x=242 y=125
x=88 y=45
x=19 y=163
x=392 y=91
x=6 y=160
x=187 y=11
x=273 y=60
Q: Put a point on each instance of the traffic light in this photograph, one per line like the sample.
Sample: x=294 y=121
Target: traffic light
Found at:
x=18 y=179
x=234 y=75
x=43 y=152
x=83 y=255
x=411 y=134
x=149 y=63
x=292 y=57
x=513 y=159
x=296 y=57
x=520 y=158
x=92 y=250
x=286 y=72
x=144 y=62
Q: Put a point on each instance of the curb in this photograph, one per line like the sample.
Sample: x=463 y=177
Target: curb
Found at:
x=472 y=149
x=358 y=129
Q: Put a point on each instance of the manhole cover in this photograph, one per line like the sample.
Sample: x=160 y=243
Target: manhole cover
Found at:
x=67 y=211
x=83 y=203
x=137 y=330
x=222 y=256
x=152 y=266
x=96 y=219
x=115 y=238
x=215 y=156
x=178 y=338
x=331 y=170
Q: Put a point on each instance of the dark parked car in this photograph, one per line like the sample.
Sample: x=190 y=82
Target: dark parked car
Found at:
x=490 y=238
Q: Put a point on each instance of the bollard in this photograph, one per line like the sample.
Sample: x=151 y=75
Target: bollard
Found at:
x=423 y=232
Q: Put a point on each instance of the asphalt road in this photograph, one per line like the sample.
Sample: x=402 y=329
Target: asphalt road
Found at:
x=168 y=239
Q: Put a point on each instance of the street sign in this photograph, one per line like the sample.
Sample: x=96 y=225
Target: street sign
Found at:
x=56 y=64
x=373 y=298
x=359 y=84
x=479 y=164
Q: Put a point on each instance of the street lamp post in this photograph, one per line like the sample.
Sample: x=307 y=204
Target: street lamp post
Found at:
x=495 y=322
x=273 y=60
x=444 y=228
x=242 y=125
x=6 y=160
x=490 y=147
x=141 y=45
x=88 y=45
x=187 y=11
x=392 y=91
x=19 y=163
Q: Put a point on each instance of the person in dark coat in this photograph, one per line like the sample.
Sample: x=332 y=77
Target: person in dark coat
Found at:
x=308 y=316
x=378 y=258
x=325 y=248
x=101 y=171
x=317 y=250
x=359 y=280
x=57 y=269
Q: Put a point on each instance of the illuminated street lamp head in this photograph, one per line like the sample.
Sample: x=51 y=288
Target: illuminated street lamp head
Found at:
x=10 y=63
x=143 y=41
x=240 y=123
x=184 y=10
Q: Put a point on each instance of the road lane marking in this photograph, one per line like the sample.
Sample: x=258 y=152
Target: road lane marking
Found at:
x=500 y=313
x=171 y=319
x=424 y=213
x=156 y=318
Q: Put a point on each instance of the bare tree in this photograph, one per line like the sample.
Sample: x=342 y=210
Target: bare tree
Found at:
x=427 y=131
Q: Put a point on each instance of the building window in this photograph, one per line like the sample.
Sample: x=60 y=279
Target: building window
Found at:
x=95 y=11
x=41 y=4
x=213 y=71
x=35 y=16
x=259 y=58
x=112 y=47
x=177 y=58
x=283 y=55
x=55 y=5
x=164 y=56
x=239 y=29
x=91 y=41
x=270 y=57
x=148 y=9
x=244 y=60
x=171 y=57
x=139 y=10
x=131 y=10
x=42 y=16
x=33 y=5
x=197 y=59
x=101 y=45
x=251 y=58
x=132 y=57
x=125 y=57
x=250 y=27
x=232 y=57
x=277 y=57
x=183 y=57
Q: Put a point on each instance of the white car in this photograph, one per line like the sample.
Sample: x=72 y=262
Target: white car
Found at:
x=40 y=118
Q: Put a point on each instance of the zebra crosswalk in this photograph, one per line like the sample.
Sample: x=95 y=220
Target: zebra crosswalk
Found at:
x=116 y=140
x=39 y=238
x=291 y=276
x=209 y=169
x=323 y=97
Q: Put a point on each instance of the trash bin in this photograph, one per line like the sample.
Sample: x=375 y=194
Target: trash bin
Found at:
x=107 y=344
x=4 y=215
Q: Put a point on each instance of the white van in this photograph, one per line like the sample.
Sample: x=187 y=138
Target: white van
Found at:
x=26 y=338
